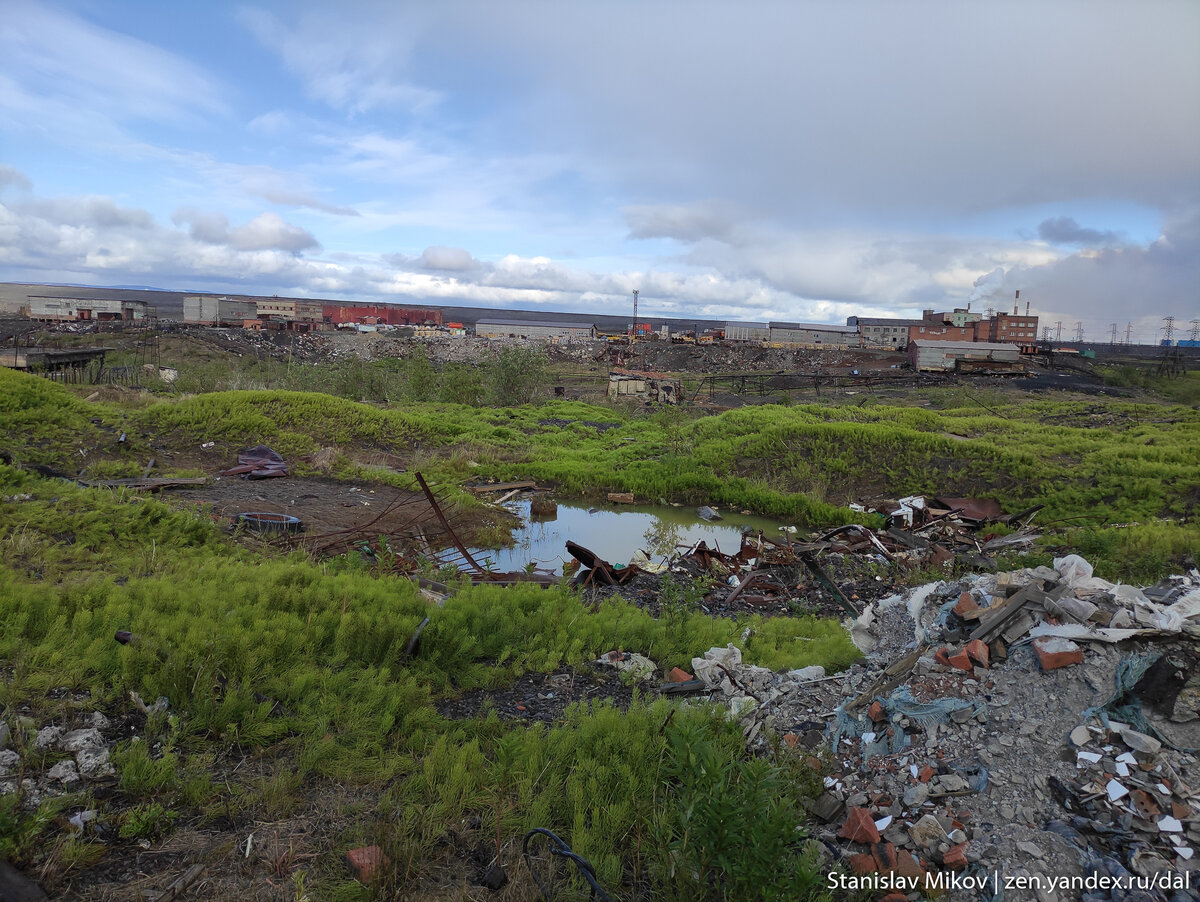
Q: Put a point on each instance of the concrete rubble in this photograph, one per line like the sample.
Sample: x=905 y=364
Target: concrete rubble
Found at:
x=1001 y=734
x=54 y=760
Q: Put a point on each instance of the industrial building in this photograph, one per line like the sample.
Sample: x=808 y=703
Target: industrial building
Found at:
x=375 y=314
x=65 y=310
x=542 y=330
x=941 y=331
x=882 y=332
x=1005 y=327
x=748 y=332
x=208 y=310
x=812 y=335
x=945 y=356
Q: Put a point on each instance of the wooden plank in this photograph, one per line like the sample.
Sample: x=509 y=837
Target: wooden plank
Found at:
x=501 y=487
x=181 y=883
x=1018 y=599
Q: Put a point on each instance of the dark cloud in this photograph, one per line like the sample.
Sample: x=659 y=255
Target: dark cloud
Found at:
x=683 y=222
x=1065 y=230
x=14 y=177
x=96 y=212
x=204 y=226
x=296 y=199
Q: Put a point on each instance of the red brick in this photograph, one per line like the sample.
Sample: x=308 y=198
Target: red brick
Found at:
x=966 y=605
x=977 y=651
x=859 y=826
x=894 y=897
x=1053 y=652
x=962 y=661
x=876 y=712
x=942 y=656
x=1144 y=804
x=863 y=864
x=791 y=740
x=679 y=675
x=956 y=858
x=927 y=774
x=907 y=866
x=885 y=856
x=366 y=862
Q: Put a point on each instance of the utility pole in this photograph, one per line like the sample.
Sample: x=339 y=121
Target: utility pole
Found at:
x=1113 y=337
x=1195 y=336
x=1078 y=332
x=1128 y=332
x=633 y=333
x=1168 y=329
x=1058 y=332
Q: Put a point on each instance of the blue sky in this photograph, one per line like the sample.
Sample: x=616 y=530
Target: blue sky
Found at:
x=798 y=161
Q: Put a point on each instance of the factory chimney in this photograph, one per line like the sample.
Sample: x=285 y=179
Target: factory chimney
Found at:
x=1016 y=301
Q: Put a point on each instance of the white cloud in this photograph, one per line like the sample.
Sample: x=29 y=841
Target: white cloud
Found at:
x=450 y=259
x=67 y=63
x=353 y=64
x=268 y=232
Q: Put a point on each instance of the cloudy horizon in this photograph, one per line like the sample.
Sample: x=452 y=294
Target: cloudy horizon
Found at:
x=804 y=161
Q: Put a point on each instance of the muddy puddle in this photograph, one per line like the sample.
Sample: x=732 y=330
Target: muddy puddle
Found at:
x=615 y=534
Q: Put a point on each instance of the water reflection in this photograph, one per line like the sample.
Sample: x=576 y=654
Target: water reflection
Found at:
x=615 y=534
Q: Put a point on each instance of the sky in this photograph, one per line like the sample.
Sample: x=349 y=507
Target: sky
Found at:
x=802 y=161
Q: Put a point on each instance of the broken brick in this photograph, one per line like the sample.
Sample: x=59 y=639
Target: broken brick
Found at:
x=907 y=866
x=365 y=863
x=956 y=858
x=894 y=897
x=966 y=605
x=1144 y=804
x=859 y=827
x=962 y=661
x=885 y=856
x=863 y=864
x=1054 y=652
x=942 y=656
x=679 y=675
x=927 y=774
x=876 y=712
x=977 y=651
x=791 y=740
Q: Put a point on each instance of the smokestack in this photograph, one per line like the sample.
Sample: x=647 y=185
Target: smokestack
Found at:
x=1016 y=301
x=1027 y=308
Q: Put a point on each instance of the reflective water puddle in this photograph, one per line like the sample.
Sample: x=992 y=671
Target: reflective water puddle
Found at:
x=616 y=533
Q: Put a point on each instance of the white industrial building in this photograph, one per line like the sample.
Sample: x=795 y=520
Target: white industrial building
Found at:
x=748 y=332
x=813 y=335
x=209 y=310
x=49 y=309
x=538 y=330
x=942 y=356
